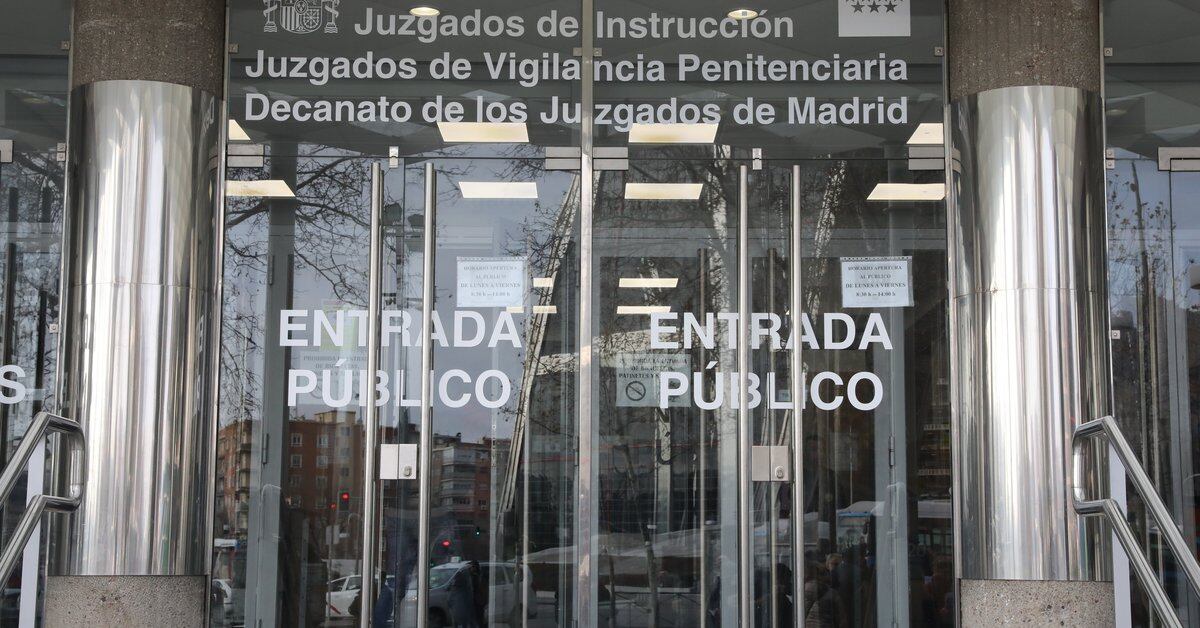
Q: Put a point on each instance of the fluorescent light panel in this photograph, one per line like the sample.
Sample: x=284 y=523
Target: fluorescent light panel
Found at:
x=266 y=188
x=908 y=192
x=663 y=191
x=537 y=309
x=236 y=133
x=643 y=309
x=673 y=133
x=512 y=132
x=648 y=282
x=927 y=134
x=498 y=189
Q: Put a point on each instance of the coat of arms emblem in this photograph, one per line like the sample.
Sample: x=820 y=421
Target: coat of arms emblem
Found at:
x=300 y=16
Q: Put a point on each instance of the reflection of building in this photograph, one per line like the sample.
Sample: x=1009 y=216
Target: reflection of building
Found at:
x=461 y=477
x=322 y=460
x=233 y=478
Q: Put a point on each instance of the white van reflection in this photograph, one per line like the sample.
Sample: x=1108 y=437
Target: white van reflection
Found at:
x=455 y=595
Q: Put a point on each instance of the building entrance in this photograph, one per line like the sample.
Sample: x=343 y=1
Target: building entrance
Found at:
x=586 y=331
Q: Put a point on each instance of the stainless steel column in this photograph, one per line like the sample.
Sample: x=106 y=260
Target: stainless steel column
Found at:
x=1029 y=310
x=135 y=343
x=138 y=321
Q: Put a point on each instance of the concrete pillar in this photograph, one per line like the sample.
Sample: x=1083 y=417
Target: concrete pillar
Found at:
x=1029 y=306
x=139 y=315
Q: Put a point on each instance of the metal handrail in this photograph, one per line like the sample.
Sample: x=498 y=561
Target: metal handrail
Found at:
x=35 y=437
x=1108 y=508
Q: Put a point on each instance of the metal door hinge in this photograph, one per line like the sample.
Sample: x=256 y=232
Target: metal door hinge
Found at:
x=770 y=463
x=242 y=155
x=930 y=157
x=393 y=156
x=578 y=52
x=60 y=151
x=397 y=462
x=6 y=151
x=563 y=158
x=1181 y=159
x=233 y=48
x=610 y=158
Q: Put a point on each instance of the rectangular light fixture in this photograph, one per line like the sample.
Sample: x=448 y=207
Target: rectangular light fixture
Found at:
x=673 y=133
x=663 y=191
x=927 y=134
x=511 y=132
x=236 y=133
x=537 y=309
x=648 y=282
x=643 y=309
x=543 y=282
x=908 y=192
x=266 y=188
x=498 y=189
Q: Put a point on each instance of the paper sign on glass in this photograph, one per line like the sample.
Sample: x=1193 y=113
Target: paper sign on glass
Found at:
x=491 y=281
x=877 y=281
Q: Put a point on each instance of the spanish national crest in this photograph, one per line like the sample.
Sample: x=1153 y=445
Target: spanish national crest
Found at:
x=300 y=16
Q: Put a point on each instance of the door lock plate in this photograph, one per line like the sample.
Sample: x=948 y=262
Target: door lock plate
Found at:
x=770 y=463
x=397 y=462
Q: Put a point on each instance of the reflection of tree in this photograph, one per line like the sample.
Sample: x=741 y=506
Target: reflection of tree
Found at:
x=33 y=199
x=1139 y=258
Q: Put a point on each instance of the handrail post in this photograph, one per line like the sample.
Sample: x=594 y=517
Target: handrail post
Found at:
x=1107 y=428
x=34 y=437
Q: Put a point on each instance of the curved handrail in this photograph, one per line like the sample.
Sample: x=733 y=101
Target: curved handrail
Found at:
x=35 y=437
x=1108 y=508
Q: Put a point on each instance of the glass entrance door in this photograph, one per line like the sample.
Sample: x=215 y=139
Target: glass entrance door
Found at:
x=590 y=409
x=501 y=238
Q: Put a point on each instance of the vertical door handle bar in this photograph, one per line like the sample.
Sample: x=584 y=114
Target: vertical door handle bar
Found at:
x=426 y=447
x=745 y=484
x=371 y=413
x=796 y=311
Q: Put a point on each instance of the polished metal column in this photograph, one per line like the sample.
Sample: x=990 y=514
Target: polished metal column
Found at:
x=1029 y=309
x=138 y=322
x=135 y=342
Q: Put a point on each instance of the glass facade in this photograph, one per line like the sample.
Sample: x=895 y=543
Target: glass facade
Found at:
x=33 y=117
x=1152 y=107
x=593 y=247
x=524 y=465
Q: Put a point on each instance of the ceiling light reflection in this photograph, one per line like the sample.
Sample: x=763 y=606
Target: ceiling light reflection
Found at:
x=510 y=132
x=663 y=191
x=265 y=188
x=908 y=192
